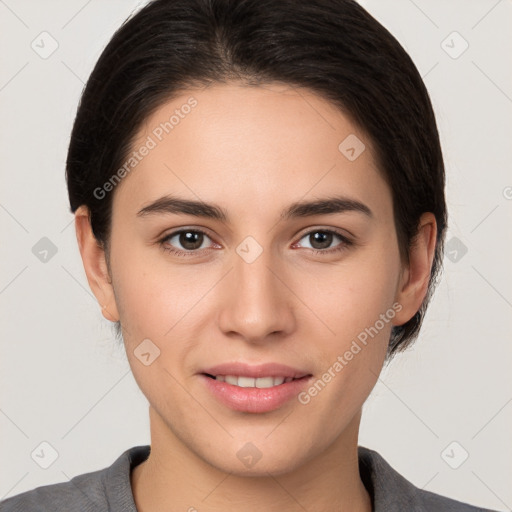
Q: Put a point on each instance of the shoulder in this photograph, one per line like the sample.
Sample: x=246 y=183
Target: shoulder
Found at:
x=84 y=493
x=392 y=492
x=107 y=489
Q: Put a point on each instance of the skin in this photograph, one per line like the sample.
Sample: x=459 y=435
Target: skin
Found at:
x=268 y=147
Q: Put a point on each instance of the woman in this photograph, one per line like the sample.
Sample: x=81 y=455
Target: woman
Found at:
x=258 y=190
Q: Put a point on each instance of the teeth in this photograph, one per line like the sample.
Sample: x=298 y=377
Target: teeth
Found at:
x=250 y=382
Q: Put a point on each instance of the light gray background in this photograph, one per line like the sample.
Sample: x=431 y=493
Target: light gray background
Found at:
x=63 y=380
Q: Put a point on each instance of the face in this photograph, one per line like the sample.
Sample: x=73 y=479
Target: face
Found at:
x=258 y=278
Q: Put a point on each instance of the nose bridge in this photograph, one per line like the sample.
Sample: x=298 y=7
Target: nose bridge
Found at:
x=254 y=278
x=258 y=304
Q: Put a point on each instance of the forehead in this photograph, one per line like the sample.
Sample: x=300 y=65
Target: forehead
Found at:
x=249 y=146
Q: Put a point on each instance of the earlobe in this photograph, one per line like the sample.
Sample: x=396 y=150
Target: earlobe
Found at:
x=95 y=265
x=108 y=315
x=415 y=279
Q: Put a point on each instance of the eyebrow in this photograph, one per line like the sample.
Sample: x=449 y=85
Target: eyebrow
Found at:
x=325 y=206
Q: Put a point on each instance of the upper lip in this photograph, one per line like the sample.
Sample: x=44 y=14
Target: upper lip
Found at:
x=255 y=371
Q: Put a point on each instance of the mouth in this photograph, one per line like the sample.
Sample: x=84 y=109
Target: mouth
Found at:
x=260 y=388
x=266 y=390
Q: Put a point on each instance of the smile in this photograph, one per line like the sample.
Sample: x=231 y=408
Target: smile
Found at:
x=250 y=382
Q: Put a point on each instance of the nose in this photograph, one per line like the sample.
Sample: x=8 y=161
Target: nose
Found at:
x=257 y=301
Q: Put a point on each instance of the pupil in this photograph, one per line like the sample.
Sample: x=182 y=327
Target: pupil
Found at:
x=189 y=240
x=323 y=238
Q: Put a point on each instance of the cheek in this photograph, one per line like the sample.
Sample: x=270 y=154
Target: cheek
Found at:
x=153 y=301
x=162 y=301
x=350 y=353
x=354 y=302
x=350 y=296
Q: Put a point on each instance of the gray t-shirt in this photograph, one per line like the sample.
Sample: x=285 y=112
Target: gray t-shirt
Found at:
x=109 y=490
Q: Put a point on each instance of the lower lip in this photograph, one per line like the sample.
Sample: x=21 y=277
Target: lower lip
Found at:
x=255 y=400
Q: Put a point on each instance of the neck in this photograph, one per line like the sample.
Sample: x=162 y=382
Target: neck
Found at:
x=175 y=478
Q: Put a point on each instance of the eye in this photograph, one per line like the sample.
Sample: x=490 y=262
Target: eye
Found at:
x=321 y=239
x=191 y=241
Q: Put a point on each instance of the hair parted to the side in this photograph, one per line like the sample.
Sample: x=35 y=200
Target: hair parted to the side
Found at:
x=332 y=47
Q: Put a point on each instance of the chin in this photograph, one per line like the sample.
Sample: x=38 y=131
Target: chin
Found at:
x=251 y=461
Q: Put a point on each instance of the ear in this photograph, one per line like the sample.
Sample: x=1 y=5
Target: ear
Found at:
x=95 y=264
x=415 y=278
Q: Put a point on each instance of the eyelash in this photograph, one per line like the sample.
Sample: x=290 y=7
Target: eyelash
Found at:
x=346 y=243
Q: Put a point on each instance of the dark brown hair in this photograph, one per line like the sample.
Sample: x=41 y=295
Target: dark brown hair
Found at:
x=333 y=47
